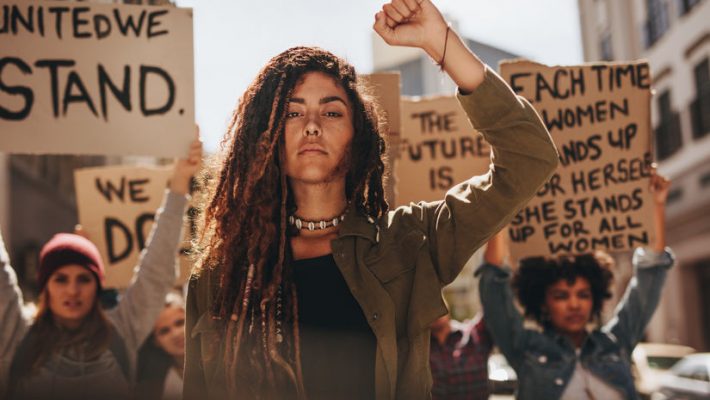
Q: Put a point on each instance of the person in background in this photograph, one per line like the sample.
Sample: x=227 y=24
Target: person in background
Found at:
x=73 y=349
x=459 y=351
x=459 y=358
x=162 y=356
x=564 y=295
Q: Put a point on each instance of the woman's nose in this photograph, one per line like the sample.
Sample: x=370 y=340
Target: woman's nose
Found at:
x=312 y=127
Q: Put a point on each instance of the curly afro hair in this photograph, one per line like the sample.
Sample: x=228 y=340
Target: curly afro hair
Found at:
x=536 y=274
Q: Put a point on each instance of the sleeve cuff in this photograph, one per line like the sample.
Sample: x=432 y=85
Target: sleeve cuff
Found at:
x=497 y=271
x=645 y=257
x=175 y=202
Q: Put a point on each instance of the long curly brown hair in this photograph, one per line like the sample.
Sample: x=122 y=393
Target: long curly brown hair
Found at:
x=245 y=240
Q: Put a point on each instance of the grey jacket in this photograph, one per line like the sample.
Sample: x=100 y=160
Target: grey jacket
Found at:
x=133 y=319
x=545 y=361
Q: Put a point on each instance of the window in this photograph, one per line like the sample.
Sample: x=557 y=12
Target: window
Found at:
x=700 y=107
x=660 y=362
x=606 y=50
x=656 y=21
x=668 y=139
x=412 y=77
x=684 y=6
x=705 y=180
x=674 y=195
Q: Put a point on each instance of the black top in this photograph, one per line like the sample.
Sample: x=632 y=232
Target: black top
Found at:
x=337 y=345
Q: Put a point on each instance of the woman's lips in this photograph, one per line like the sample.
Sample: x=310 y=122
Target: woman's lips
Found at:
x=311 y=150
x=72 y=304
x=576 y=318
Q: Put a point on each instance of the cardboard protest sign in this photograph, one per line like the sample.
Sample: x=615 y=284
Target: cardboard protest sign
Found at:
x=599 y=117
x=86 y=78
x=385 y=88
x=117 y=207
x=438 y=148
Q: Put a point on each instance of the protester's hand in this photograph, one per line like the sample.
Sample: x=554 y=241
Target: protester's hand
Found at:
x=79 y=230
x=413 y=23
x=659 y=186
x=418 y=23
x=186 y=168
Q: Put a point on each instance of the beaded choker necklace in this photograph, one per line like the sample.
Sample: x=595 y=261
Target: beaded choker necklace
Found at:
x=301 y=223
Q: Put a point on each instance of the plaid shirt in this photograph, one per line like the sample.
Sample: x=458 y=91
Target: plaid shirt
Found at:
x=459 y=367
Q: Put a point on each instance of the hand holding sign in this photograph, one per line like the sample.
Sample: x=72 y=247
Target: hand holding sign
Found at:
x=186 y=168
x=659 y=187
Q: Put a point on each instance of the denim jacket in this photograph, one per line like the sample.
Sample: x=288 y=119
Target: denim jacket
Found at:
x=545 y=361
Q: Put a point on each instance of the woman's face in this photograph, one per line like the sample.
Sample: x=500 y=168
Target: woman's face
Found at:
x=169 y=331
x=71 y=290
x=569 y=305
x=318 y=131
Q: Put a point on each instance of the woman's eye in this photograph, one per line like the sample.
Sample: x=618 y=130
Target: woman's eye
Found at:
x=61 y=279
x=585 y=295
x=84 y=279
x=292 y=114
x=560 y=296
x=333 y=114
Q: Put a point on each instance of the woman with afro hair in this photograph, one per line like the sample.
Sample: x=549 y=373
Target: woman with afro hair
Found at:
x=564 y=295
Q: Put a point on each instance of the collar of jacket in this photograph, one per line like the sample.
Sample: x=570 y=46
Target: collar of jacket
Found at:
x=357 y=224
x=591 y=341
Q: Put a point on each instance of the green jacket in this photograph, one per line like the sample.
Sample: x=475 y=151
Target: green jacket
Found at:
x=396 y=266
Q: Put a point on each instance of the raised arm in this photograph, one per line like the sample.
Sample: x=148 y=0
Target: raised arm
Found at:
x=418 y=23
x=523 y=154
x=650 y=268
x=503 y=320
x=14 y=323
x=156 y=272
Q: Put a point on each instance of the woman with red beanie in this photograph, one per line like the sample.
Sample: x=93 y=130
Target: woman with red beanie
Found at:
x=72 y=349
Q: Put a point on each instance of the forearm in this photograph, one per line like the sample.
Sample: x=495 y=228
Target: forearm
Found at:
x=155 y=273
x=502 y=319
x=659 y=217
x=460 y=63
x=642 y=295
x=14 y=323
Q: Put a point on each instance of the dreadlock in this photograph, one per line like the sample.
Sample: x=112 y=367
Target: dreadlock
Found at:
x=245 y=237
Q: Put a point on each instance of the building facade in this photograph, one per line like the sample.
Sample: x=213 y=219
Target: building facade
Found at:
x=674 y=36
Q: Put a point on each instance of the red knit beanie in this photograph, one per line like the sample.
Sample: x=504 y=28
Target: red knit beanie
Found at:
x=67 y=248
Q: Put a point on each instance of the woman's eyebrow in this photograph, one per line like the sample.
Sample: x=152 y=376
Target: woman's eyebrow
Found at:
x=324 y=100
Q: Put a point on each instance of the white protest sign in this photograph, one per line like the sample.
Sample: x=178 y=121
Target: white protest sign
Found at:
x=86 y=78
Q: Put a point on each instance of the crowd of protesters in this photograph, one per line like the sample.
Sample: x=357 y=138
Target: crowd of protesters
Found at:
x=306 y=285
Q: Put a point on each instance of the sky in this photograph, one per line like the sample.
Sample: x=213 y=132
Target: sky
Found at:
x=235 y=38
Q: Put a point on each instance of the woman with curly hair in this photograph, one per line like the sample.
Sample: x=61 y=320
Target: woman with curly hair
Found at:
x=564 y=295
x=307 y=286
